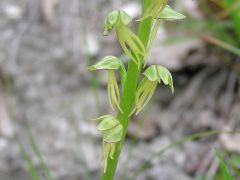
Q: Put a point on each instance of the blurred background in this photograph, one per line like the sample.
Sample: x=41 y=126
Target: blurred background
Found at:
x=48 y=96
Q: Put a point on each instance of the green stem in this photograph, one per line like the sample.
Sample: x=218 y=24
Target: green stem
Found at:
x=128 y=95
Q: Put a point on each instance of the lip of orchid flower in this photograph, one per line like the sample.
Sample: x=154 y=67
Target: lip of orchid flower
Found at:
x=144 y=93
x=131 y=44
x=112 y=131
x=113 y=90
x=153 y=75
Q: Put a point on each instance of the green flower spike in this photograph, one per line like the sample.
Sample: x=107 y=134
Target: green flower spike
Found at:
x=111 y=63
x=130 y=43
x=112 y=131
x=153 y=75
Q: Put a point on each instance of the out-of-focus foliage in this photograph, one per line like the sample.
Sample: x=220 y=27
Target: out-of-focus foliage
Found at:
x=220 y=24
x=224 y=167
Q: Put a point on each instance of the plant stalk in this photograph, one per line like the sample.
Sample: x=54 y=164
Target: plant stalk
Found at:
x=128 y=94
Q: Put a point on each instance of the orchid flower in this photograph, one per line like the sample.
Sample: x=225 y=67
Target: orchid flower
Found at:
x=153 y=75
x=112 y=131
x=111 y=63
x=130 y=43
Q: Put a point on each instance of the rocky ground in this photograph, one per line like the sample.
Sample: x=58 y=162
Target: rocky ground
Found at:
x=44 y=55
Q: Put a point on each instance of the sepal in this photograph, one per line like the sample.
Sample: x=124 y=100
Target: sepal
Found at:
x=159 y=73
x=107 y=63
x=114 y=19
x=169 y=14
x=107 y=123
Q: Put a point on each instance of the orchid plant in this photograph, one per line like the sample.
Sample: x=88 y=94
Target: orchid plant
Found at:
x=136 y=91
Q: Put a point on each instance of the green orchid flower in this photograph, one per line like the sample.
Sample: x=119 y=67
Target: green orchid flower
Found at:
x=153 y=75
x=130 y=43
x=112 y=63
x=112 y=131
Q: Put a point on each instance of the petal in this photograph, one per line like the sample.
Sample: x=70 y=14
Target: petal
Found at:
x=107 y=63
x=102 y=117
x=166 y=77
x=113 y=17
x=164 y=74
x=152 y=73
x=112 y=151
x=107 y=124
x=169 y=14
x=125 y=18
x=106 y=150
x=113 y=135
